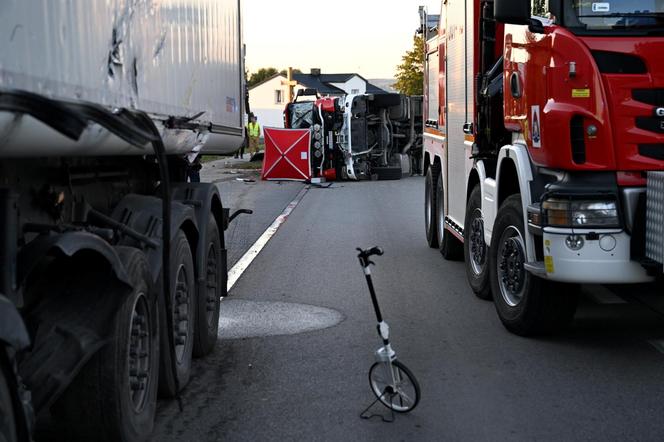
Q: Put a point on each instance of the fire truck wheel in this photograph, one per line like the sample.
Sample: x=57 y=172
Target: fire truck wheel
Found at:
x=209 y=295
x=183 y=302
x=7 y=417
x=430 y=206
x=526 y=304
x=114 y=397
x=475 y=250
x=450 y=247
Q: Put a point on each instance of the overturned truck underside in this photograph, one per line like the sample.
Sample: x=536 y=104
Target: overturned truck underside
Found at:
x=363 y=136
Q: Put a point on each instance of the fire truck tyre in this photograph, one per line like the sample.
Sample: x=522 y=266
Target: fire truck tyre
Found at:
x=183 y=302
x=475 y=251
x=450 y=247
x=526 y=304
x=387 y=173
x=114 y=397
x=430 y=206
x=208 y=300
x=7 y=418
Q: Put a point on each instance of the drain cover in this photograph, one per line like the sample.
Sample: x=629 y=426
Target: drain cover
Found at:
x=250 y=319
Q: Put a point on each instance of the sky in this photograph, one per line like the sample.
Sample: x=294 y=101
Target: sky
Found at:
x=367 y=37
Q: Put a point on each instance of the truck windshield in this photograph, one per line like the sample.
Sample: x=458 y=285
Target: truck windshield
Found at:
x=617 y=15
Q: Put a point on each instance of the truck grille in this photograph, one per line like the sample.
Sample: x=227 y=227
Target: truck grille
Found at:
x=655 y=217
x=649 y=96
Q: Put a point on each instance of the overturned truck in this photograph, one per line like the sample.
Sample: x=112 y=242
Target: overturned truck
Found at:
x=361 y=136
x=112 y=264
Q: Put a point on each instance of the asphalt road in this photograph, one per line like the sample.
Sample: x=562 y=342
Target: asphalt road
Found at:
x=602 y=379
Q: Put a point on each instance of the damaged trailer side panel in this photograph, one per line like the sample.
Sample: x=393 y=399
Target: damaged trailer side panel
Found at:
x=172 y=59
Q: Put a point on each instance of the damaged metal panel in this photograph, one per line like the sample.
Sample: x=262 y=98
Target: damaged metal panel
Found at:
x=166 y=57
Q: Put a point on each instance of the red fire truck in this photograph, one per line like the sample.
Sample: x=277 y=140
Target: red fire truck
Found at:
x=544 y=149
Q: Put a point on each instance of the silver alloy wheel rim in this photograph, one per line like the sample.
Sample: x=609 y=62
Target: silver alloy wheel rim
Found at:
x=511 y=274
x=477 y=244
x=181 y=313
x=211 y=285
x=140 y=354
x=401 y=396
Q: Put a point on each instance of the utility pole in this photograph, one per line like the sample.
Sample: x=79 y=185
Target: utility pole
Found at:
x=290 y=83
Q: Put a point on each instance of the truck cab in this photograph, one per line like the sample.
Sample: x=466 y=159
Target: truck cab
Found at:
x=544 y=148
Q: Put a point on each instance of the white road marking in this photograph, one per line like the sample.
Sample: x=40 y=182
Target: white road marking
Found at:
x=243 y=264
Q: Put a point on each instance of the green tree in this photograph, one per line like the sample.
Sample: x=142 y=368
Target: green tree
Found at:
x=261 y=75
x=264 y=73
x=410 y=73
x=285 y=71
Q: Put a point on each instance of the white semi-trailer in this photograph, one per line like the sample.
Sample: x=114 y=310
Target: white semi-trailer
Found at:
x=103 y=106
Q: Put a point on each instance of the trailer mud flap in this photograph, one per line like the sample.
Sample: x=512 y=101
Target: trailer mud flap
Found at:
x=76 y=300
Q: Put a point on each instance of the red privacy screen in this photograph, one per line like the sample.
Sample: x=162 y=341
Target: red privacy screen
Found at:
x=287 y=154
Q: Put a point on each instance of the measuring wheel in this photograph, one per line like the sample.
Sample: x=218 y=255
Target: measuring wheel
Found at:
x=395 y=386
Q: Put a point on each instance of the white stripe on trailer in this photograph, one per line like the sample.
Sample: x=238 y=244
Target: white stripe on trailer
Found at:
x=243 y=264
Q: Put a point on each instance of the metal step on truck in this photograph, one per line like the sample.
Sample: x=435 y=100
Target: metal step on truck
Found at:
x=112 y=263
x=544 y=149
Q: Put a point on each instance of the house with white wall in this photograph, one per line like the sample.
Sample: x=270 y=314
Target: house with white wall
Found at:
x=268 y=99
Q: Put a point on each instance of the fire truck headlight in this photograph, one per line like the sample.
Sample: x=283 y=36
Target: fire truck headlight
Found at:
x=581 y=213
x=317 y=135
x=317 y=127
x=317 y=145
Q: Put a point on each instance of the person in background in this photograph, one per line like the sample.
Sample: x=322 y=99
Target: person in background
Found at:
x=254 y=131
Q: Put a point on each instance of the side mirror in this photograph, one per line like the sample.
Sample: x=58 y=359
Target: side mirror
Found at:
x=515 y=12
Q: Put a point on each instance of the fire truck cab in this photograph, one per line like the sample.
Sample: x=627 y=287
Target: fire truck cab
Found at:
x=544 y=149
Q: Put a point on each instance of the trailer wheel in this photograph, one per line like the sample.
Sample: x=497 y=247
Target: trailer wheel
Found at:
x=475 y=250
x=8 y=431
x=450 y=247
x=526 y=304
x=114 y=397
x=209 y=295
x=430 y=206
x=387 y=173
x=183 y=301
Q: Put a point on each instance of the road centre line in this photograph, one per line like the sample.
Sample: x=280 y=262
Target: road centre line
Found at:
x=243 y=263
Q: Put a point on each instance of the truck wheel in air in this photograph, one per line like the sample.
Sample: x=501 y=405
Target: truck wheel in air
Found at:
x=525 y=303
x=475 y=250
x=450 y=247
x=183 y=302
x=209 y=295
x=430 y=206
x=387 y=173
x=7 y=417
x=114 y=397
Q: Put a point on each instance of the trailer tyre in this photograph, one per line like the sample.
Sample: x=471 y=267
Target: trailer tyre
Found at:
x=475 y=250
x=526 y=304
x=430 y=206
x=183 y=301
x=114 y=397
x=8 y=431
x=450 y=247
x=209 y=294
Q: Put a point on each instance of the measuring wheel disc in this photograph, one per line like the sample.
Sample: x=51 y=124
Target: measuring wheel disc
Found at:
x=395 y=386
